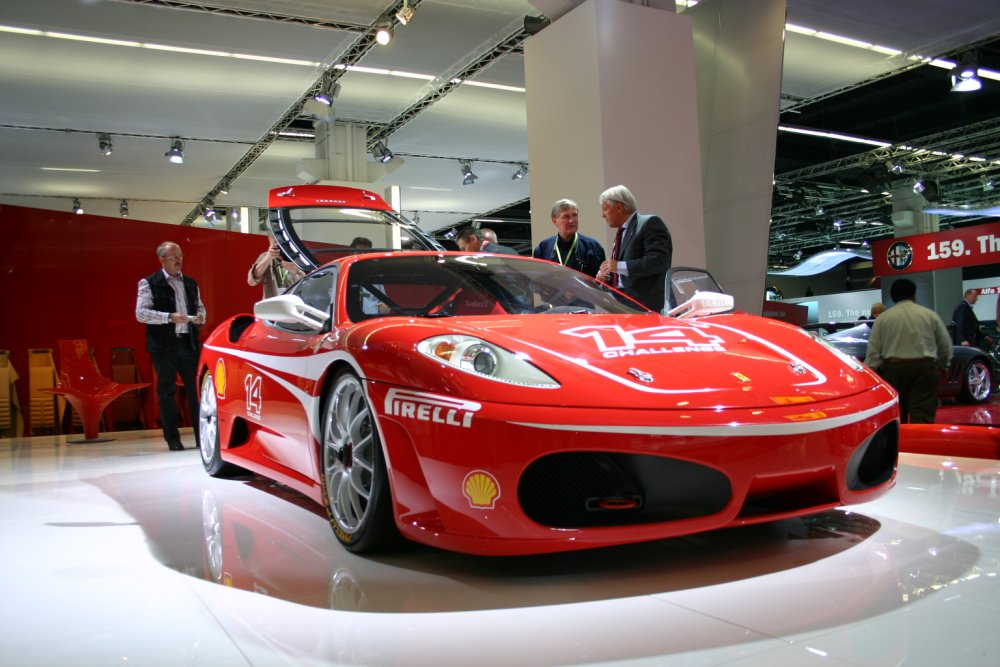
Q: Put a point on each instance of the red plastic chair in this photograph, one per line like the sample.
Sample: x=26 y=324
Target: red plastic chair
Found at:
x=84 y=387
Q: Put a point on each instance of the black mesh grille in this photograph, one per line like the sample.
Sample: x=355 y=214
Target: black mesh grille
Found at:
x=582 y=489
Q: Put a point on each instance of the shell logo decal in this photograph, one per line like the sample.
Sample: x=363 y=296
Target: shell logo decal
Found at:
x=220 y=378
x=481 y=488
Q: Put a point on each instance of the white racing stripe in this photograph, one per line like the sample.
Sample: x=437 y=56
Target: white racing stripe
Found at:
x=734 y=429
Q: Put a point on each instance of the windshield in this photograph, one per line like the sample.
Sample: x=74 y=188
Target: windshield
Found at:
x=313 y=236
x=455 y=285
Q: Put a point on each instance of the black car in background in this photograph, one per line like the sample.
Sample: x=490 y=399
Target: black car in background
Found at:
x=971 y=378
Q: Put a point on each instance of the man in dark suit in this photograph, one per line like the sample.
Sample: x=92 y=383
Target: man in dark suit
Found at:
x=470 y=239
x=169 y=304
x=967 y=332
x=642 y=251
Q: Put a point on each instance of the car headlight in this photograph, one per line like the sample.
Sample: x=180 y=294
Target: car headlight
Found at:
x=476 y=356
x=846 y=358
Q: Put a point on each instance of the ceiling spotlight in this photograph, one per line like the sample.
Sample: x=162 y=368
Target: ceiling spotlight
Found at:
x=76 y=206
x=468 y=178
x=405 y=13
x=928 y=189
x=210 y=213
x=176 y=152
x=123 y=208
x=104 y=144
x=451 y=234
x=865 y=244
x=819 y=209
x=328 y=91
x=965 y=74
x=224 y=188
x=416 y=217
x=798 y=255
x=381 y=152
x=988 y=183
x=522 y=171
x=383 y=33
x=234 y=214
x=894 y=167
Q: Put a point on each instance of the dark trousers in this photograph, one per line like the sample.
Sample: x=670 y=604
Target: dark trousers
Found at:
x=916 y=381
x=181 y=358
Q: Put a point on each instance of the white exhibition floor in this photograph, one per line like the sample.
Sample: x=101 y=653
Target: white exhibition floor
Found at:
x=124 y=553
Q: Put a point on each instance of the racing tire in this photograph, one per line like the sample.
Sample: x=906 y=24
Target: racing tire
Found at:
x=208 y=433
x=977 y=382
x=355 y=483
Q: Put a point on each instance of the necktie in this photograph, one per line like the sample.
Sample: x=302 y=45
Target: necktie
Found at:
x=613 y=277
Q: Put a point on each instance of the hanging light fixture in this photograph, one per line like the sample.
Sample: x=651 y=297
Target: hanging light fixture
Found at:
x=468 y=178
x=77 y=208
x=383 y=33
x=224 y=187
x=405 y=13
x=965 y=74
x=328 y=91
x=123 y=208
x=176 y=152
x=522 y=171
x=104 y=144
x=381 y=152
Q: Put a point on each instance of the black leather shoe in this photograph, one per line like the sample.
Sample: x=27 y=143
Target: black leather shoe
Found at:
x=175 y=446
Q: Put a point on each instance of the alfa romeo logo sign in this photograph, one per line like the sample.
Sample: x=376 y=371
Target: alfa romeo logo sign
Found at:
x=899 y=255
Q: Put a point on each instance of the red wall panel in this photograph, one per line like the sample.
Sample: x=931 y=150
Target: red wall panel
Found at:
x=76 y=276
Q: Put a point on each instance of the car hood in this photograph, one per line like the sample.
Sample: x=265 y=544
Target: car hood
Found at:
x=723 y=361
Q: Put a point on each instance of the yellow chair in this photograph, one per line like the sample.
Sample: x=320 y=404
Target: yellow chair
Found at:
x=43 y=408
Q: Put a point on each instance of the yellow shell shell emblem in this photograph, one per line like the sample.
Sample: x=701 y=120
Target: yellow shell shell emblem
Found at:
x=481 y=488
x=220 y=378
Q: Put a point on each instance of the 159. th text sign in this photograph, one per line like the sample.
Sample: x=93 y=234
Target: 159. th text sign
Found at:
x=967 y=246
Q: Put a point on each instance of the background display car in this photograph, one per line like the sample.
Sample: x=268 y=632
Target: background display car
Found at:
x=971 y=378
x=500 y=405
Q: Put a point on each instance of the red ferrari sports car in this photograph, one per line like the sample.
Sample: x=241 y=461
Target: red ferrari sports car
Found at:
x=500 y=405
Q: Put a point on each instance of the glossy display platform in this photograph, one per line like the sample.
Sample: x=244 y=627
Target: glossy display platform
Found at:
x=124 y=553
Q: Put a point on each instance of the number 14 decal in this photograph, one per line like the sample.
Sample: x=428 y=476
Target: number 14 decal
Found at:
x=252 y=385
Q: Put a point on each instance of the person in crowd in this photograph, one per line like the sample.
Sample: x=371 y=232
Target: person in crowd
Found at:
x=641 y=255
x=470 y=239
x=272 y=270
x=169 y=304
x=909 y=347
x=877 y=309
x=491 y=244
x=568 y=246
x=967 y=332
x=361 y=243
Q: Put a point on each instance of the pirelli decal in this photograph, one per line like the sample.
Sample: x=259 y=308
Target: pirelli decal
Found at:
x=432 y=408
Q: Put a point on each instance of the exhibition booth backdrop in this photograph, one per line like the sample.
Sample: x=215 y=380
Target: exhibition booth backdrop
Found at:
x=64 y=275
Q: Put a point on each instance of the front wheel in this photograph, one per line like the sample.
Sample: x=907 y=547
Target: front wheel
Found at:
x=208 y=432
x=355 y=483
x=977 y=382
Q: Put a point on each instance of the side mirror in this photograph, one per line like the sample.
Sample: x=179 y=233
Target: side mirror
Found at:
x=703 y=303
x=290 y=308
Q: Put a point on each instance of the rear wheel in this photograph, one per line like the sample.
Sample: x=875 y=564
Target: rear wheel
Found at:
x=208 y=432
x=977 y=381
x=355 y=483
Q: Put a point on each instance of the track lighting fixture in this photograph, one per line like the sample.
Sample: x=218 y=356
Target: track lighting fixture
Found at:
x=894 y=167
x=988 y=183
x=522 y=171
x=381 y=152
x=328 y=91
x=210 y=214
x=451 y=234
x=468 y=178
x=123 y=208
x=405 y=13
x=76 y=206
x=224 y=188
x=176 y=152
x=104 y=144
x=965 y=74
x=928 y=189
x=798 y=255
x=383 y=33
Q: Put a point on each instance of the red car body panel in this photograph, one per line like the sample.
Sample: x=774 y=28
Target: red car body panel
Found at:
x=751 y=405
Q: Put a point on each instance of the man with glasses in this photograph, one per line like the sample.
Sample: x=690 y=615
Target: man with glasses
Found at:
x=169 y=304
